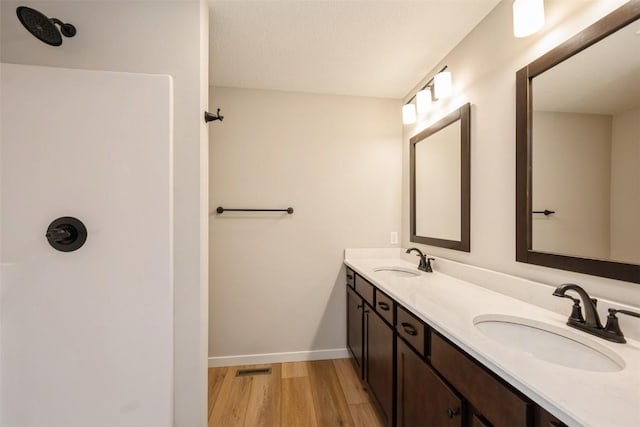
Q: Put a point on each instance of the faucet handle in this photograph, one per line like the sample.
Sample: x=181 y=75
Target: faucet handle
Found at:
x=613 y=311
x=428 y=267
x=576 y=310
x=613 y=327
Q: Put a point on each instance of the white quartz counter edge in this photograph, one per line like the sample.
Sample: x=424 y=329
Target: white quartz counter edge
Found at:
x=449 y=305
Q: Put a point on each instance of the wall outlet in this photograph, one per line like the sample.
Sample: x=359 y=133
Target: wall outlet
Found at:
x=393 y=238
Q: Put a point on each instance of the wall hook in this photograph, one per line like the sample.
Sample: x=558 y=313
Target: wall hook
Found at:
x=208 y=117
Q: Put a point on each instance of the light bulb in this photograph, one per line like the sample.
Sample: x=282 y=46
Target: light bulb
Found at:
x=423 y=100
x=442 y=84
x=528 y=17
x=408 y=114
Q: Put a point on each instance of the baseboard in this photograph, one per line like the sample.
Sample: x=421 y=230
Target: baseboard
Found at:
x=295 y=356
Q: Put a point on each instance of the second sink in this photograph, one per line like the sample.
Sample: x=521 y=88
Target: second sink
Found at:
x=549 y=343
x=401 y=272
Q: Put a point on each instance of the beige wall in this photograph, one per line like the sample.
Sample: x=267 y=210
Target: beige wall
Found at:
x=571 y=176
x=483 y=67
x=625 y=187
x=277 y=280
x=157 y=37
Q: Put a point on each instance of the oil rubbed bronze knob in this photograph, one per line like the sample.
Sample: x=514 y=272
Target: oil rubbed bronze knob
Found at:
x=66 y=234
x=453 y=412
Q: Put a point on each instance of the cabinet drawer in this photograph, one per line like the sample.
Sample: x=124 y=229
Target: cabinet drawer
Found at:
x=384 y=306
x=545 y=419
x=501 y=406
x=411 y=329
x=351 y=278
x=365 y=289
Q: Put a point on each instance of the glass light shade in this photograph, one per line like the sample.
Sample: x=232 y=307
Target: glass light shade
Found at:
x=442 y=84
x=408 y=114
x=423 y=100
x=528 y=17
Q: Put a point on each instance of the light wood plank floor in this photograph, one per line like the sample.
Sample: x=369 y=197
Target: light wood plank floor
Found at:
x=325 y=393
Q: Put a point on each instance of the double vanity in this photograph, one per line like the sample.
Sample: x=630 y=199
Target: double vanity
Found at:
x=436 y=350
x=444 y=345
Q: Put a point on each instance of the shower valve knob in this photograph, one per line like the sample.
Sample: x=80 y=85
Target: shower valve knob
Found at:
x=57 y=234
x=66 y=234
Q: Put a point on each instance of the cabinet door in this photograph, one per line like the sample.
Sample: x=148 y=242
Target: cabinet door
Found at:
x=423 y=399
x=379 y=363
x=355 y=337
x=497 y=403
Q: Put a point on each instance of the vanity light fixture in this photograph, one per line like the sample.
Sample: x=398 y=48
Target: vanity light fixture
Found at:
x=408 y=113
x=528 y=17
x=439 y=86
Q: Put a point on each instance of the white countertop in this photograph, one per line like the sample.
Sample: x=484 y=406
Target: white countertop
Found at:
x=449 y=305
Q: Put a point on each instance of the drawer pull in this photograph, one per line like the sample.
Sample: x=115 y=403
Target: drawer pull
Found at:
x=349 y=276
x=360 y=306
x=409 y=329
x=384 y=306
x=453 y=412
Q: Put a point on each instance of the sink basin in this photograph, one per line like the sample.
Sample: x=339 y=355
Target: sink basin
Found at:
x=549 y=343
x=401 y=272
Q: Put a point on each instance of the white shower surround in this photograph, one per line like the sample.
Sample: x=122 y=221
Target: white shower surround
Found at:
x=86 y=337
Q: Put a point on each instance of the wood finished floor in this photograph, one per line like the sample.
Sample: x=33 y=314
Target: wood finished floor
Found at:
x=325 y=393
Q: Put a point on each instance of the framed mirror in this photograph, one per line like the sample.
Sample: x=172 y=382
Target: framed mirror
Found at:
x=578 y=152
x=441 y=182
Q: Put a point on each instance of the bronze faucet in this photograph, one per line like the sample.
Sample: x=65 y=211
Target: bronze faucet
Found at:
x=425 y=261
x=591 y=322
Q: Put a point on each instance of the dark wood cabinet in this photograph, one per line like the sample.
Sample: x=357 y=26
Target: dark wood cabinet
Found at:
x=411 y=329
x=355 y=329
x=418 y=378
x=423 y=400
x=379 y=363
x=497 y=403
x=371 y=342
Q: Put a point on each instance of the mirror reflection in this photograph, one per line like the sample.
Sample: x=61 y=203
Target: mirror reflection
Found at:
x=440 y=182
x=585 y=138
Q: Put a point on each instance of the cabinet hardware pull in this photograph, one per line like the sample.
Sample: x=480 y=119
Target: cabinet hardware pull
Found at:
x=410 y=329
x=349 y=276
x=453 y=412
x=360 y=306
x=384 y=306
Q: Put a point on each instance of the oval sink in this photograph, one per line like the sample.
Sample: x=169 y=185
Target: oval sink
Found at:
x=401 y=272
x=549 y=343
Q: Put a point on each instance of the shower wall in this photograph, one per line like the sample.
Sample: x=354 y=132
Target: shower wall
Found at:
x=86 y=337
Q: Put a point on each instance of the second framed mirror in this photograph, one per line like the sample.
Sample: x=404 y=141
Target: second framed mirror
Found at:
x=440 y=192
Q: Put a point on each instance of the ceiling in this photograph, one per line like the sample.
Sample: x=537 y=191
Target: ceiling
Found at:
x=377 y=48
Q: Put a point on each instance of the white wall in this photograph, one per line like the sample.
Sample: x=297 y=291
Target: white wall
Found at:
x=571 y=175
x=86 y=336
x=277 y=280
x=483 y=67
x=625 y=187
x=157 y=37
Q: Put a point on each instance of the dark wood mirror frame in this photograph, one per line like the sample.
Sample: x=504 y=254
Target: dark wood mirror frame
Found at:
x=611 y=23
x=464 y=244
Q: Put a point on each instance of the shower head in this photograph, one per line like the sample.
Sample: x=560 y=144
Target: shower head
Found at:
x=44 y=28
